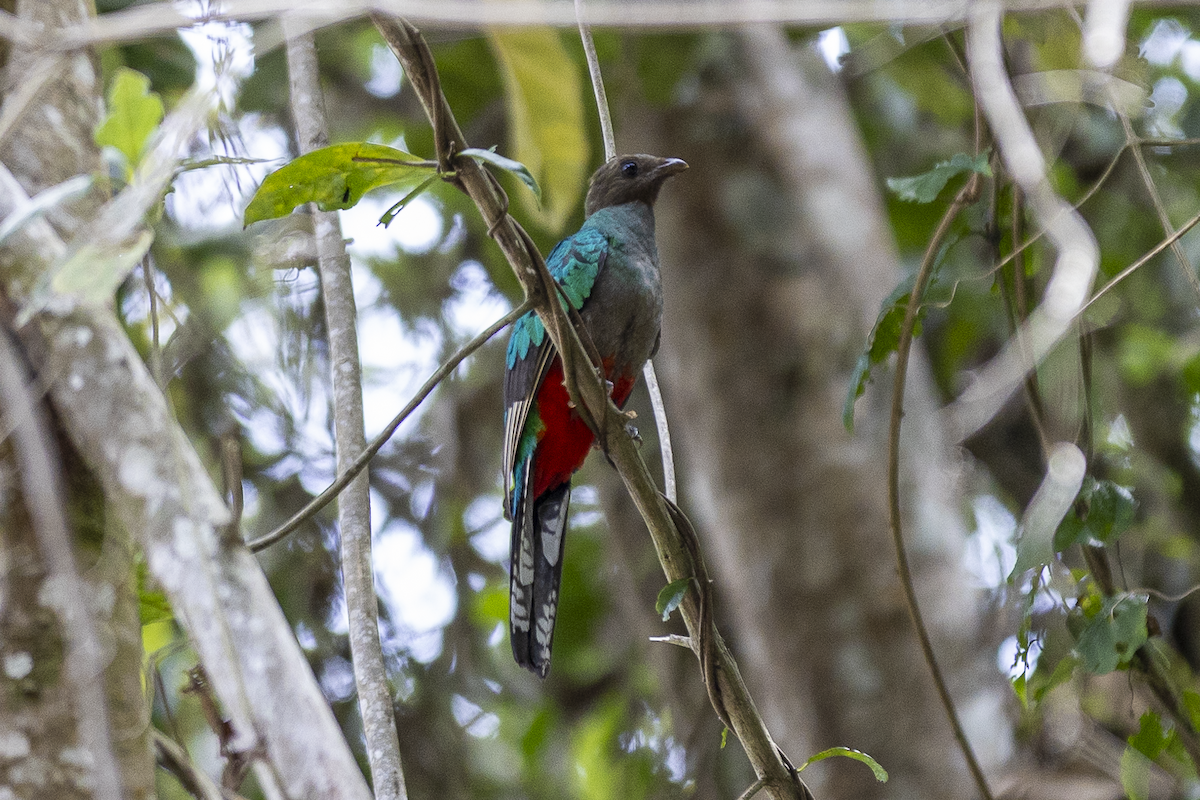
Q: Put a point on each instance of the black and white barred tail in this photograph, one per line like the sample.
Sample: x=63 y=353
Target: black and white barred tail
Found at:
x=536 y=548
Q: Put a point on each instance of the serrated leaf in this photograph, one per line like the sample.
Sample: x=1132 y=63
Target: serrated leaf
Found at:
x=133 y=113
x=926 y=187
x=845 y=752
x=724 y=737
x=671 y=596
x=507 y=164
x=334 y=177
x=543 y=93
x=1110 y=638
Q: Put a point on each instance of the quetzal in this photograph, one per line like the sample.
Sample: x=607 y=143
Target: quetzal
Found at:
x=609 y=272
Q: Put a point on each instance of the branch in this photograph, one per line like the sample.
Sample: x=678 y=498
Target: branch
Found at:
x=320 y=501
x=966 y=196
x=779 y=779
x=156 y=19
x=40 y=485
x=354 y=504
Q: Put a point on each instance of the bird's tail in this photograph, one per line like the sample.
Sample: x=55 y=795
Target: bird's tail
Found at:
x=537 y=545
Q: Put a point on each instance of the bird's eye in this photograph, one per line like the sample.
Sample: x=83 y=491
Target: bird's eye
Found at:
x=629 y=169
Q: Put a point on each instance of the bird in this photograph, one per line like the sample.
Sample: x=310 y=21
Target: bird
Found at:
x=609 y=273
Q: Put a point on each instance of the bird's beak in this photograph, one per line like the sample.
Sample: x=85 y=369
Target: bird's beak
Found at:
x=668 y=167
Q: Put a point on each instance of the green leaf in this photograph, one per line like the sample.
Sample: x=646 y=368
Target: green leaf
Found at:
x=508 y=164
x=883 y=340
x=92 y=273
x=925 y=188
x=543 y=92
x=671 y=596
x=386 y=218
x=724 y=737
x=1103 y=511
x=1135 y=774
x=133 y=113
x=334 y=177
x=885 y=335
x=1041 y=685
x=1191 y=701
x=153 y=606
x=880 y=773
x=1151 y=739
x=1110 y=638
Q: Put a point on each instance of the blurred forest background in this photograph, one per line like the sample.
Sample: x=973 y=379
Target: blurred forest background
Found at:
x=780 y=248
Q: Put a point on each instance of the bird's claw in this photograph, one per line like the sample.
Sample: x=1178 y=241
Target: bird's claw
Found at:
x=632 y=431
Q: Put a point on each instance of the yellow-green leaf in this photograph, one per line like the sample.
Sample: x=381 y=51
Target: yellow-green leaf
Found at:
x=544 y=95
x=846 y=752
x=335 y=177
x=133 y=113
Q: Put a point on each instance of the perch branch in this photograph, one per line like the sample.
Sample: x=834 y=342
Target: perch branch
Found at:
x=779 y=781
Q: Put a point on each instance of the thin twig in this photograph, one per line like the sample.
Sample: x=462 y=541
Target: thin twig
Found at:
x=41 y=486
x=1185 y=264
x=195 y=782
x=1125 y=273
x=964 y=198
x=315 y=505
x=354 y=504
x=593 y=62
x=610 y=152
x=751 y=790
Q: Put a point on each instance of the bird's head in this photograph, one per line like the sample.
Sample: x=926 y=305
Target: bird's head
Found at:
x=625 y=179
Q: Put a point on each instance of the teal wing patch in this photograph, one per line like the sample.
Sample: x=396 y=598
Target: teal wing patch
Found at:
x=574 y=263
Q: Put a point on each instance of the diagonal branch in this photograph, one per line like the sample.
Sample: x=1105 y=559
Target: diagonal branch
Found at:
x=779 y=780
x=349 y=473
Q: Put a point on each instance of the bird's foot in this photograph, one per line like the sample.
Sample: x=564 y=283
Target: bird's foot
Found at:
x=632 y=431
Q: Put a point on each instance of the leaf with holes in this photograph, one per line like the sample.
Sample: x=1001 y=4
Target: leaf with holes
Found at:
x=335 y=177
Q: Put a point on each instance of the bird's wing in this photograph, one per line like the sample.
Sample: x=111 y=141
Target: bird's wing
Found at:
x=574 y=263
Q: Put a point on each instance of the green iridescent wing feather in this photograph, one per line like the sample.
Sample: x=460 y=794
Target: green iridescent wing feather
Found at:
x=574 y=263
